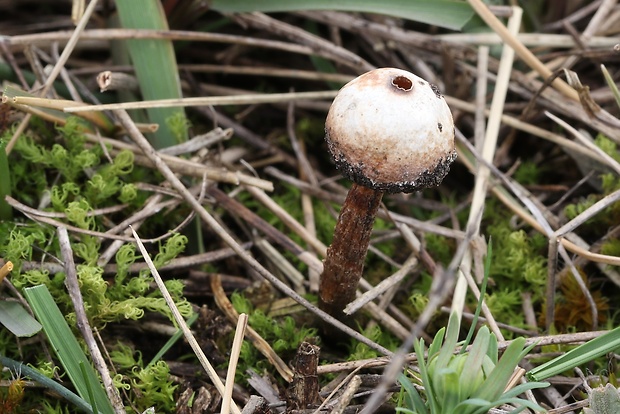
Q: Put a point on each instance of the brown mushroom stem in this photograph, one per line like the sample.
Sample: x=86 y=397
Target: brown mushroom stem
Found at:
x=344 y=262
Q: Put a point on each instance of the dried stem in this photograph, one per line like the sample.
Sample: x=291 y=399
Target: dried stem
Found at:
x=82 y=320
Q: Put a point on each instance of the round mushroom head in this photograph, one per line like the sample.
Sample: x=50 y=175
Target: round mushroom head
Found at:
x=391 y=131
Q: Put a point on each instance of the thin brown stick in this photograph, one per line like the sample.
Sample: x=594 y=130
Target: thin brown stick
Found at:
x=204 y=361
x=298 y=35
x=83 y=325
x=196 y=101
x=73 y=39
x=347 y=395
x=177 y=263
x=502 y=194
x=44 y=39
x=422 y=226
x=383 y=286
x=288 y=220
x=34 y=215
x=185 y=167
x=557 y=339
x=112 y=81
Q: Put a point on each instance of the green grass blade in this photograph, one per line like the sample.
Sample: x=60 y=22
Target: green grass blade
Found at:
x=435 y=346
x=451 y=14
x=449 y=344
x=496 y=382
x=173 y=340
x=473 y=362
x=425 y=375
x=119 y=52
x=155 y=64
x=66 y=347
x=17 y=319
x=483 y=289
x=89 y=388
x=412 y=399
x=578 y=356
x=611 y=84
x=6 y=211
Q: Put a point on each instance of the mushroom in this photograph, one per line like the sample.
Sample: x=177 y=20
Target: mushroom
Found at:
x=388 y=131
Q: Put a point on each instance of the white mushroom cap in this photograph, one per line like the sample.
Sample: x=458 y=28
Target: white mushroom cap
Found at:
x=391 y=131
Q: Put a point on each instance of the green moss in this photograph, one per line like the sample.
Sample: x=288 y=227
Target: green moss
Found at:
x=128 y=298
x=16 y=242
x=573 y=210
x=609 y=183
x=527 y=173
x=149 y=386
x=608 y=217
x=83 y=181
x=57 y=408
x=441 y=248
x=608 y=146
x=611 y=247
x=283 y=334
x=504 y=305
x=358 y=350
x=178 y=124
x=519 y=264
x=418 y=301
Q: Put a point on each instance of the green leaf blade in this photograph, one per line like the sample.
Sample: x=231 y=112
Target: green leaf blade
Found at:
x=16 y=319
x=66 y=347
x=155 y=64
x=577 y=356
x=451 y=14
x=496 y=382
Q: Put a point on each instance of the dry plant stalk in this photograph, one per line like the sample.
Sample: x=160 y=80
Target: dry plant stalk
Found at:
x=187 y=333
x=83 y=325
x=6 y=268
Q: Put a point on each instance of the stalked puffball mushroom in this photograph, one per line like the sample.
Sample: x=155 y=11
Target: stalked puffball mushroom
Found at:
x=388 y=131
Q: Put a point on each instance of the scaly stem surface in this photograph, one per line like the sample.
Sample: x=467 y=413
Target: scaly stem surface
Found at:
x=344 y=262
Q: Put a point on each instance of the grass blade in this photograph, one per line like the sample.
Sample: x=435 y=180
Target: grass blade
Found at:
x=451 y=14
x=173 y=340
x=156 y=68
x=577 y=356
x=611 y=84
x=494 y=385
x=483 y=289
x=413 y=401
x=66 y=347
x=17 y=319
x=89 y=388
